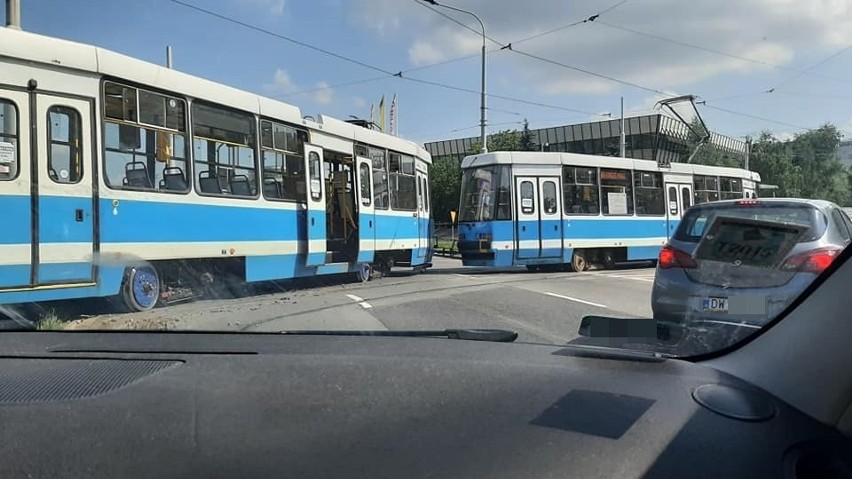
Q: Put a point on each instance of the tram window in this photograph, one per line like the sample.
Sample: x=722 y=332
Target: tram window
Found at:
x=580 y=191
x=145 y=150
x=706 y=189
x=527 y=198
x=549 y=200
x=504 y=196
x=673 y=201
x=120 y=102
x=426 y=194
x=223 y=145
x=160 y=110
x=616 y=192
x=730 y=188
x=9 y=157
x=403 y=186
x=64 y=157
x=364 y=180
x=381 y=197
x=283 y=160
x=315 y=175
x=650 y=199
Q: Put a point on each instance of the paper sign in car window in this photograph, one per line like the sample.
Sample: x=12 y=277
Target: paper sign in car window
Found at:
x=748 y=242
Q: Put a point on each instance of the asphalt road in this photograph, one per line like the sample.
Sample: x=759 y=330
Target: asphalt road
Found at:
x=541 y=307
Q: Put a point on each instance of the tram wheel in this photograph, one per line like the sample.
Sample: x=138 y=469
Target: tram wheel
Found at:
x=141 y=288
x=364 y=273
x=534 y=268
x=578 y=262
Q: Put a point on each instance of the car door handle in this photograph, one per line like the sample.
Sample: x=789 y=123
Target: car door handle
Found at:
x=78 y=214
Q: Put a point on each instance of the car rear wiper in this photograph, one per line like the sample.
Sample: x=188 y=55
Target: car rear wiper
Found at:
x=492 y=335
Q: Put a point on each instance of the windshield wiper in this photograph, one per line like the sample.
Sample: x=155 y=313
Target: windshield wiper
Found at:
x=491 y=335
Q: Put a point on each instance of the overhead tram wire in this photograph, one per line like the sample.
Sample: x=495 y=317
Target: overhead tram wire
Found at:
x=388 y=73
x=573 y=24
x=806 y=71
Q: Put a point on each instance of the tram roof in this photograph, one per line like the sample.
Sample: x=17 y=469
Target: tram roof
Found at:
x=55 y=53
x=535 y=158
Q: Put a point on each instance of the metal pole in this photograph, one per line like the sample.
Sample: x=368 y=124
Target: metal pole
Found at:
x=13 y=14
x=747 y=153
x=623 y=138
x=169 y=57
x=484 y=116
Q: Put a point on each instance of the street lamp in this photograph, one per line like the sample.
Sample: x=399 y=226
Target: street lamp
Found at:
x=483 y=116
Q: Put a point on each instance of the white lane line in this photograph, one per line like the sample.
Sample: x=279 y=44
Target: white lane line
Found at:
x=466 y=276
x=577 y=300
x=354 y=298
x=624 y=276
x=365 y=305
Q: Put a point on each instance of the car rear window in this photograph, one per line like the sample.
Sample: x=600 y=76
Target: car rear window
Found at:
x=697 y=220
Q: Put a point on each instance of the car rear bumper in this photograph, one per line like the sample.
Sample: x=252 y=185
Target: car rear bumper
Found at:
x=677 y=298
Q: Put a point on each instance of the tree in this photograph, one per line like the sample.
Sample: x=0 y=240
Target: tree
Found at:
x=526 y=142
x=506 y=140
x=445 y=187
x=708 y=154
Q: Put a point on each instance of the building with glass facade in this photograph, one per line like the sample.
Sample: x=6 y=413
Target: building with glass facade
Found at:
x=650 y=137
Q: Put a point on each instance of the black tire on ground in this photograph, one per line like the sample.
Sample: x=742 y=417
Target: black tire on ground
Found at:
x=578 y=261
x=364 y=272
x=141 y=288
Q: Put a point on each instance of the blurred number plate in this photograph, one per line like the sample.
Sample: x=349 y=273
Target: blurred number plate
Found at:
x=715 y=304
x=748 y=242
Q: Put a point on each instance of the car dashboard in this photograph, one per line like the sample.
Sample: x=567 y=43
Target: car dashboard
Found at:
x=159 y=405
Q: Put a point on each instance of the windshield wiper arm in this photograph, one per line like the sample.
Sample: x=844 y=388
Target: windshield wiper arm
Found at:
x=491 y=335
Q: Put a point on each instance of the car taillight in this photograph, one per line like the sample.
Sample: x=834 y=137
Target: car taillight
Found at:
x=748 y=202
x=674 y=258
x=814 y=261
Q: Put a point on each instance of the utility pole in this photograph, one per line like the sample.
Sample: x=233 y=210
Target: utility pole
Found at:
x=13 y=14
x=623 y=137
x=169 y=57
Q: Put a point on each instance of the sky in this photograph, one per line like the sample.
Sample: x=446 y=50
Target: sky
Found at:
x=760 y=65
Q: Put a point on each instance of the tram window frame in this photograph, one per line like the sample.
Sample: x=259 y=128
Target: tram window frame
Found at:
x=699 y=187
x=366 y=186
x=732 y=193
x=379 y=158
x=402 y=197
x=71 y=142
x=572 y=186
x=503 y=186
x=11 y=137
x=649 y=183
x=529 y=194
x=627 y=187
x=549 y=199
x=233 y=168
x=288 y=157
x=124 y=132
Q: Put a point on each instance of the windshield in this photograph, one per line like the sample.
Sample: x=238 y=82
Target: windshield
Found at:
x=367 y=165
x=484 y=194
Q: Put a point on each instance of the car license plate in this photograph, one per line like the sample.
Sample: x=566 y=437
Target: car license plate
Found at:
x=715 y=304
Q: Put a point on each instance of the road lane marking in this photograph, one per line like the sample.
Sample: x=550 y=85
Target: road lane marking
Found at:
x=578 y=300
x=354 y=298
x=466 y=276
x=365 y=305
x=624 y=276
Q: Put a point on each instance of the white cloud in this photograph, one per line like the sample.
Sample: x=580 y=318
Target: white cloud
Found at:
x=281 y=84
x=274 y=7
x=323 y=95
x=790 y=33
x=422 y=53
x=359 y=102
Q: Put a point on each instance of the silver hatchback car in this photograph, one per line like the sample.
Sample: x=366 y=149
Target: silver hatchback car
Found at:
x=744 y=261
